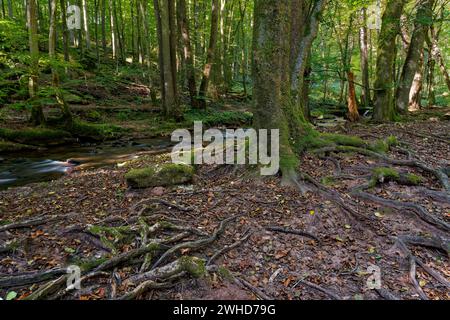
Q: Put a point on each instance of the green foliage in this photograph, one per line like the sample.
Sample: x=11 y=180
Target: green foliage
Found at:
x=212 y=118
x=33 y=136
x=384 y=146
x=95 y=131
x=414 y=179
x=383 y=174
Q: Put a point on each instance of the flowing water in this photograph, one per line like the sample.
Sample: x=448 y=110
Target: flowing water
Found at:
x=37 y=166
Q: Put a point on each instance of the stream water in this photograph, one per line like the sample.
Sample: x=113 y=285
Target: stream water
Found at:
x=37 y=166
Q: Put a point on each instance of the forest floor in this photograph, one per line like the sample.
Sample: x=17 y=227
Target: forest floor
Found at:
x=328 y=259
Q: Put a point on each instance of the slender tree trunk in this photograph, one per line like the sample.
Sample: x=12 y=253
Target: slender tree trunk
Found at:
x=67 y=116
x=279 y=65
x=187 y=50
x=384 y=83
x=112 y=24
x=97 y=51
x=86 y=25
x=363 y=40
x=3 y=9
x=37 y=114
x=353 y=113
x=10 y=10
x=104 y=27
x=65 y=31
x=210 y=55
x=415 y=93
x=412 y=69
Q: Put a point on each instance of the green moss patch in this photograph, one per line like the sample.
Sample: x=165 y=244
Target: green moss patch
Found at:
x=34 y=136
x=166 y=175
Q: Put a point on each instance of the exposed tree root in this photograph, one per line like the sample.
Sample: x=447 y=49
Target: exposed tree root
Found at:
x=296 y=232
x=34 y=222
x=144 y=287
x=413 y=262
x=224 y=250
x=191 y=265
x=405 y=206
x=29 y=278
x=438 y=173
x=386 y=295
x=319 y=288
x=195 y=244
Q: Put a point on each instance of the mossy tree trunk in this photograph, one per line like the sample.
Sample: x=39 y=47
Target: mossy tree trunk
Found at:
x=37 y=114
x=411 y=77
x=277 y=74
x=384 y=80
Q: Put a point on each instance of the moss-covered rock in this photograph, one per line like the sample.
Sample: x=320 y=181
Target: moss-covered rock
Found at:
x=166 y=175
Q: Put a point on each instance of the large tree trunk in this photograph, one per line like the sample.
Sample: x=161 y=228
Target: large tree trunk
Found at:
x=384 y=83
x=37 y=114
x=203 y=91
x=187 y=50
x=280 y=59
x=414 y=63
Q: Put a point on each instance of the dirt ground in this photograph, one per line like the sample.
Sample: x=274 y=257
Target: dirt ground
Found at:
x=343 y=234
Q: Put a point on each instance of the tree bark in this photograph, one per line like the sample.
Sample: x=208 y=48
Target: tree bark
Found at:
x=412 y=69
x=384 y=80
x=65 y=31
